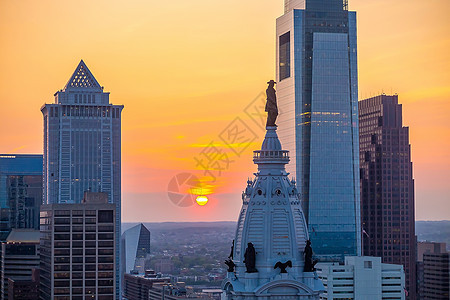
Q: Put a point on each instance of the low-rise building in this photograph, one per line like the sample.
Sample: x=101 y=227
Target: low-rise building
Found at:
x=24 y=289
x=362 y=277
x=152 y=286
x=19 y=256
x=433 y=270
x=179 y=290
x=137 y=287
x=164 y=266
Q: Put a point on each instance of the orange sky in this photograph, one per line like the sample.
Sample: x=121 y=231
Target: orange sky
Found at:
x=186 y=69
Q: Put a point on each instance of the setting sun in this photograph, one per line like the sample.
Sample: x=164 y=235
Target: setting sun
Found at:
x=202 y=200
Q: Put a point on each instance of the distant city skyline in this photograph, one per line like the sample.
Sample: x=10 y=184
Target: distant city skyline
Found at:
x=182 y=86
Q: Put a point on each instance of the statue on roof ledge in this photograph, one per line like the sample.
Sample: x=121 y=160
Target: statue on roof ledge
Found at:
x=271 y=104
x=230 y=264
x=308 y=255
x=250 y=258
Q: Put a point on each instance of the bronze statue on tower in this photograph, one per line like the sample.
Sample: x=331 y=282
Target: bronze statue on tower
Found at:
x=271 y=104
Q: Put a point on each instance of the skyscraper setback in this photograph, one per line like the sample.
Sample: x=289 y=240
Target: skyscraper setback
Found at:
x=387 y=185
x=318 y=102
x=82 y=146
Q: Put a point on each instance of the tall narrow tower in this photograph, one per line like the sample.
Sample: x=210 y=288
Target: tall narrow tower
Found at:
x=387 y=185
x=272 y=220
x=318 y=101
x=82 y=145
x=81 y=141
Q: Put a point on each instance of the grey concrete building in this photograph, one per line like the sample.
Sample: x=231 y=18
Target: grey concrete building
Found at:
x=433 y=271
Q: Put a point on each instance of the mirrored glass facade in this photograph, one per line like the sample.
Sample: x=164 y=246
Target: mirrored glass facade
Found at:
x=20 y=192
x=318 y=123
x=285 y=55
x=136 y=249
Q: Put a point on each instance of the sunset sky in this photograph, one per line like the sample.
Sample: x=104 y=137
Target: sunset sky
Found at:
x=185 y=70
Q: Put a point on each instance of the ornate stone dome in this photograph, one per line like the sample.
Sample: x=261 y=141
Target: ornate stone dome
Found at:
x=272 y=220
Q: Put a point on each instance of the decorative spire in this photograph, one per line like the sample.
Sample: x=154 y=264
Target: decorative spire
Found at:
x=271 y=151
x=82 y=78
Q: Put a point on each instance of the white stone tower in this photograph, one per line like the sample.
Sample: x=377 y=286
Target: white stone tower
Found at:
x=272 y=220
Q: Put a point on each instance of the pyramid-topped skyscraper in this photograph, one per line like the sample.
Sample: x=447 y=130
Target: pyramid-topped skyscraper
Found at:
x=82 y=146
x=82 y=78
x=82 y=141
x=268 y=255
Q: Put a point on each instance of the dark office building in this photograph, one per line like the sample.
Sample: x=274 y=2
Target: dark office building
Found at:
x=78 y=249
x=433 y=271
x=20 y=192
x=24 y=289
x=387 y=186
x=19 y=258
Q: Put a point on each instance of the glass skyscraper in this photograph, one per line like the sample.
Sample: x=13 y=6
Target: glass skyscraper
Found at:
x=20 y=192
x=136 y=249
x=318 y=101
x=82 y=145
